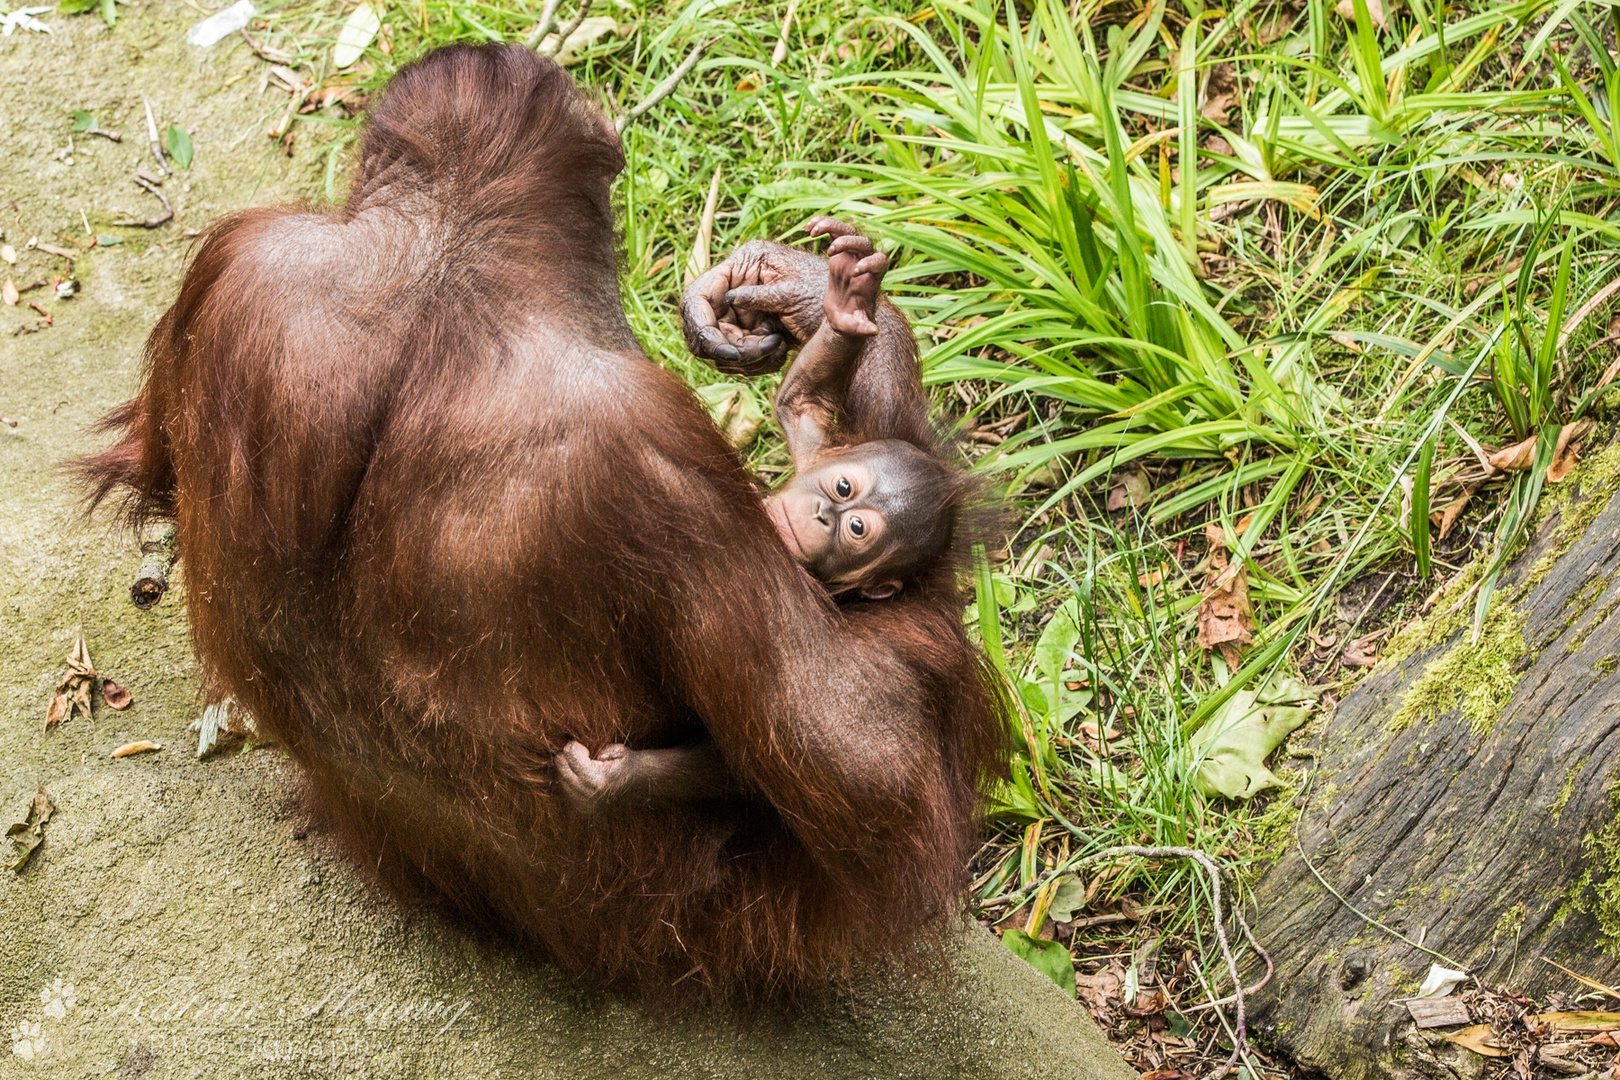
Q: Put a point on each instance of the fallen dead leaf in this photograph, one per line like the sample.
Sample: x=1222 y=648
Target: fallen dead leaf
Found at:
x=136 y=748
x=10 y=293
x=1447 y=515
x=1148 y=581
x=1130 y=488
x=1220 y=94
x=29 y=833
x=116 y=697
x=1515 y=458
x=1375 y=8
x=1362 y=652
x=1347 y=341
x=1476 y=1037
x=57 y=710
x=1225 y=619
x=1604 y=1038
x=1566 y=453
x=1099 y=992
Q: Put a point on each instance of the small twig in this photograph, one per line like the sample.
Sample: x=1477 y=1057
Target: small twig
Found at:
x=113 y=135
x=1257 y=987
x=265 y=52
x=663 y=89
x=150 y=223
x=548 y=18
x=152 y=138
x=564 y=32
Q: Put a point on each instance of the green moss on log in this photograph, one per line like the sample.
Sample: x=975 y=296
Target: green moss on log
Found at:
x=1597 y=891
x=1477 y=677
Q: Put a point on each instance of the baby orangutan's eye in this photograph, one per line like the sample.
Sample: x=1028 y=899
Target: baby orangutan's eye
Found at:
x=857 y=527
x=843 y=488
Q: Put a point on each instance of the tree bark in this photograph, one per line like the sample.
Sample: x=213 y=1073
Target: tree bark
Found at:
x=1470 y=811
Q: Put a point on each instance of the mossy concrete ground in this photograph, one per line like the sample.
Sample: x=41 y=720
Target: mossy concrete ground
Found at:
x=182 y=918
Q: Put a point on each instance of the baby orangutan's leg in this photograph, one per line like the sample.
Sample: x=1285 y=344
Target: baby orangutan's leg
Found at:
x=619 y=775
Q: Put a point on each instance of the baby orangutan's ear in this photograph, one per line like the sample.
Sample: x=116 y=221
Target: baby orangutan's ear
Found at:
x=882 y=590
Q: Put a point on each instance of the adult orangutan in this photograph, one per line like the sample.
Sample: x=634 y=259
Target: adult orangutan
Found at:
x=441 y=516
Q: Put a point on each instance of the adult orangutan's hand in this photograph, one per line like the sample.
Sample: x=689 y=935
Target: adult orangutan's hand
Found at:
x=744 y=314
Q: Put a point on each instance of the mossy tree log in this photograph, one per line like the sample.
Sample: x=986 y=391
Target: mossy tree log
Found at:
x=1467 y=798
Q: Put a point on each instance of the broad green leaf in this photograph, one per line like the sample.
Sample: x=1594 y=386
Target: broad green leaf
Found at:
x=1067 y=899
x=1235 y=741
x=1050 y=958
x=83 y=121
x=1057 y=641
x=358 y=31
x=178 y=143
x=78 y=7
x=109 y=12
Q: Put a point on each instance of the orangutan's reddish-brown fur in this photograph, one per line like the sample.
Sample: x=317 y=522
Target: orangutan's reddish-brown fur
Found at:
x=439 y=513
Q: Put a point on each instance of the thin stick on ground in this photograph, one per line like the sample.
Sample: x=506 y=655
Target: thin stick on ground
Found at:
x=150 y=223
x=548 y=18
x=663 y=89
x=157 y=147
x=564 y=32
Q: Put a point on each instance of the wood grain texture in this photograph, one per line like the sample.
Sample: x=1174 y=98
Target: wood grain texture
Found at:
x=1468 y=840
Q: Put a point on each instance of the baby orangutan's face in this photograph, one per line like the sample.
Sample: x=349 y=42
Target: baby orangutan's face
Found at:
x=831 y=519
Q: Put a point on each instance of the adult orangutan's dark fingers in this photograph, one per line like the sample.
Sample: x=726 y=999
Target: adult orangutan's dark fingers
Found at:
x=773 y=299
x=763 y=349
x=710 y=343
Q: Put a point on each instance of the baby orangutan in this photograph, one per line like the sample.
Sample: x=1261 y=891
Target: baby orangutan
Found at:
x=874 y=499
x=866 y=508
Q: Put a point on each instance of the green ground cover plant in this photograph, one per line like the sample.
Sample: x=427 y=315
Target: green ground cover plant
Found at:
x=1269 y=319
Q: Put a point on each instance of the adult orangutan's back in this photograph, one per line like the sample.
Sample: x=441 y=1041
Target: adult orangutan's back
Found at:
x=440 y=515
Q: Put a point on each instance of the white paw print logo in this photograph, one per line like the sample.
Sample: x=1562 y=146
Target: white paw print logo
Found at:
x=27 y=1042
x=28 y=1037
x=56 y=999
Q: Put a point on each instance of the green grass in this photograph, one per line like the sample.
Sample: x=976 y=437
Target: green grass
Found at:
x=1266 y=264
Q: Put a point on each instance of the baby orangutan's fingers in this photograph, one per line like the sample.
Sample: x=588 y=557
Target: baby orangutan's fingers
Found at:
x=587 y=780
x=825 y=226
x=851 y=244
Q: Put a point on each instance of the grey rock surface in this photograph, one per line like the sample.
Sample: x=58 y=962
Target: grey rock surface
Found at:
x=183 y=918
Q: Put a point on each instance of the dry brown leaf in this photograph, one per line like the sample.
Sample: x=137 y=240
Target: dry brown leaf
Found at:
x=1347 y=341
x=136 y=748
x=1220 y=93
x=1605 y=1038
x=1375 y=8
x=1099 y=992
x=1148 y=581
x=29 y=833
x=1162 y=1074
x=9 y=291
x=1515 y=458
x=1362 y=652
x=56 y=711
x=1567 y=451
x=1476 y=1037
x=116 y=697
x=1130 y=489
x=1225 y=619
x=1447 y=515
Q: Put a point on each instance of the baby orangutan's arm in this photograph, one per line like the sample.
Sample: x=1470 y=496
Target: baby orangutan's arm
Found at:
x=814 y=395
